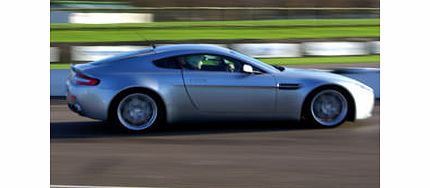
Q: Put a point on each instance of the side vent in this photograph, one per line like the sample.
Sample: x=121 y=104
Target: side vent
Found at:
x=288 y=86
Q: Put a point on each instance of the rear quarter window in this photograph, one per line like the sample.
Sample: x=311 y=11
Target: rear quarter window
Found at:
x=167 y=63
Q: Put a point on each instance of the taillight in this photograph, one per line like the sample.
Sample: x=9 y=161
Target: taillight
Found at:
x=82 y=79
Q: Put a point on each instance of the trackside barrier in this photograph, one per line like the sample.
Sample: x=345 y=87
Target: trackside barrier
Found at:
x=335 y=48
x=94 y=53
x=258 y=50
x=374 y=47
x=368 y=76
x=266 y=10
x=54 y=54
x=58 y=82
x=269 y=50
x=109 y=18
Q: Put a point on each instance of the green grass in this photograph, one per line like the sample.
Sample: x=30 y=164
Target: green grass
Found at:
x=60 y=66
x=212 y=33
x=256 y=23
x=322 y=60
x=226 y=30
x=295 y=61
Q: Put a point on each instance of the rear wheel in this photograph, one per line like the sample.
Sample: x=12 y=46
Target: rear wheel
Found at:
x=327 y=108
x=137 y=112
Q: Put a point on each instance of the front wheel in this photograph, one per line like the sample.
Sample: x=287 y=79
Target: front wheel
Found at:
x=327 y=108
x=137 y=112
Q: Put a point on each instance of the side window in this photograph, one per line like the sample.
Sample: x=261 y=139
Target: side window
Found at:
x=234 y=65
x=168 y=63
x=205 y=62
x=213 y=63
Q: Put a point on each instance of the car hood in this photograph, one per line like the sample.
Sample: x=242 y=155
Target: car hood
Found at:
x=313 y=74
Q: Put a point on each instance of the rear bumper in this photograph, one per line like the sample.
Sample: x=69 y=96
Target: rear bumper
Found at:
x=89 y=101
x=72 y=103
x=75 y=108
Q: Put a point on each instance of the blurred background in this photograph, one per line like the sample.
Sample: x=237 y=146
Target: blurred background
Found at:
x=281 y=32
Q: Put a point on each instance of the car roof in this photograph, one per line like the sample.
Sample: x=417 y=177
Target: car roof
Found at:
x=189 y=47
x=179 y=48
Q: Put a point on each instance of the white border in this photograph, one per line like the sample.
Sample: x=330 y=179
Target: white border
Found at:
x=405 y=128
x=405 y=94
x=24 y=94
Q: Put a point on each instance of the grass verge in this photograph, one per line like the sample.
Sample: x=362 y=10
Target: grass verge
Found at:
x=216 y=30
x=249 y=23
x=322 y=60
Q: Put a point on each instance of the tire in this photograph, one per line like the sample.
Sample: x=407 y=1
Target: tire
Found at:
x=326 y=108
x=137 y=112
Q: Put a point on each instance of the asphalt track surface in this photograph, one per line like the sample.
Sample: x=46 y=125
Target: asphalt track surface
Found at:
x=259 y=154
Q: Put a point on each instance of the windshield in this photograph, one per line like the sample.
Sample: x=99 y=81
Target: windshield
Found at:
x=257 y=62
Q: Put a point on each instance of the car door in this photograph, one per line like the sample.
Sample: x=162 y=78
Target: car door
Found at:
x=218 y=84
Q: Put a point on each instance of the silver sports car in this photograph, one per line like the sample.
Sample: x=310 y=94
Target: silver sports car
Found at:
x=177 y=83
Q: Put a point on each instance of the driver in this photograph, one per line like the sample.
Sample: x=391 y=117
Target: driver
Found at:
x=193 y=62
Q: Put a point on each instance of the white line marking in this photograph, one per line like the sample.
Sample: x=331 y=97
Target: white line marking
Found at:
x=93 y=186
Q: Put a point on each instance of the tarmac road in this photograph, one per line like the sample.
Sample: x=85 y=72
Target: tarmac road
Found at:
x=264 y=154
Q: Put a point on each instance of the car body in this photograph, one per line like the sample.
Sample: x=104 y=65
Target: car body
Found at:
x=208 y=82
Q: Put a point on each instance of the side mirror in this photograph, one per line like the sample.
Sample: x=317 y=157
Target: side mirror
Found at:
x=248 y=69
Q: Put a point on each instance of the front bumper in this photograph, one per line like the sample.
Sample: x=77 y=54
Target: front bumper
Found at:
x=364 y=103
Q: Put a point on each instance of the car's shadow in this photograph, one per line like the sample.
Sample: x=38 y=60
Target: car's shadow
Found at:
x=96 y=129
